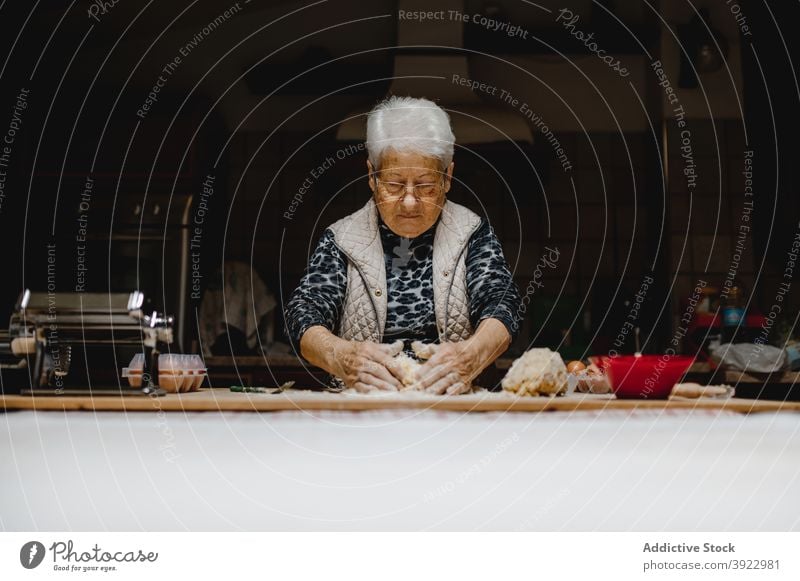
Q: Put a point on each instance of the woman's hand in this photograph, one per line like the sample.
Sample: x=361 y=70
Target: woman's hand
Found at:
x=367 y=366
x=454 y=365
x=450 y=370
x=361 y=365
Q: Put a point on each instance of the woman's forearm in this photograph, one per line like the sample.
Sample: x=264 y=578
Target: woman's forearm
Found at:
x=322 y=348
x=490 y=340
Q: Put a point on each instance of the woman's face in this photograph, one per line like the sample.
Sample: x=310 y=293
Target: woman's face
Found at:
x=409 y=191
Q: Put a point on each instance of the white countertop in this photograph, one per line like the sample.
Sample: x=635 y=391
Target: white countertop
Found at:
x=400 y=469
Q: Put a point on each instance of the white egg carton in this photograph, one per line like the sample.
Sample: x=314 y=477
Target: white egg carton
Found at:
x=134 y=371
x=176 y=372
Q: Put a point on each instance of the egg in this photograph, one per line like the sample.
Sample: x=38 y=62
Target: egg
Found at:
x=575 y=367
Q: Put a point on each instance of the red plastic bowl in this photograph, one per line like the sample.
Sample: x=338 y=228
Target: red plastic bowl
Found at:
x=643 y=376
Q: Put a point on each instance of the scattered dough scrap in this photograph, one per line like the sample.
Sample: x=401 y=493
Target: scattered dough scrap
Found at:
x=697 y=390
x=537 y=372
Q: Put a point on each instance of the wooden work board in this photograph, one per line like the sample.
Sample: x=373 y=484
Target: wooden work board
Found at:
x=222 y=399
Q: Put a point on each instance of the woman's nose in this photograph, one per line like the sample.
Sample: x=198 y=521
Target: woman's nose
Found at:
x=410 y=196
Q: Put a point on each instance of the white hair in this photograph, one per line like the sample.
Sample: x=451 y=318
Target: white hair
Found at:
x=409 y=124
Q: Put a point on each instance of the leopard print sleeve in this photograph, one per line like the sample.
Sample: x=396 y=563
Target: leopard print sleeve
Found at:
x=318 y=298
x=490 y=286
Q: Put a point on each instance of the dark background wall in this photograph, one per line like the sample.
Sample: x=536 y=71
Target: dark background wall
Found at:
x=226 y=111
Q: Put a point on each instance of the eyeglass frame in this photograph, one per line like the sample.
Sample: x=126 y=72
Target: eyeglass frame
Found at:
x=405 y=186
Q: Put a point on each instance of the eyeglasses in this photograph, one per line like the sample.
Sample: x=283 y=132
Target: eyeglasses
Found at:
x=398 y=189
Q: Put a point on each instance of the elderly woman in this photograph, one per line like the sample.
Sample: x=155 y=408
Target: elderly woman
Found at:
x=409 y=265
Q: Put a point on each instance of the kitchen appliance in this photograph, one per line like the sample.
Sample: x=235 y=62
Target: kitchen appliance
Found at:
x=142 y=241
x=71 y=343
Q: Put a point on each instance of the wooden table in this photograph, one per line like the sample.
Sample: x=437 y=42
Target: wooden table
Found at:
x=222 y=399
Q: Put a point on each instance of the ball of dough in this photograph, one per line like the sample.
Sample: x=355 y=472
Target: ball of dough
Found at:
x=537 y=372
x=409 y=367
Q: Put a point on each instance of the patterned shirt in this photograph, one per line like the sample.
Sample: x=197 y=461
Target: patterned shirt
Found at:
x=319 y=298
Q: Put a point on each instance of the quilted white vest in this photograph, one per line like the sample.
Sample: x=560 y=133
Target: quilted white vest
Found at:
x=364 y=310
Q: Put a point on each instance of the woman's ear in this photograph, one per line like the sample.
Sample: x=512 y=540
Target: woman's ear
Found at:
x=371 y=177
